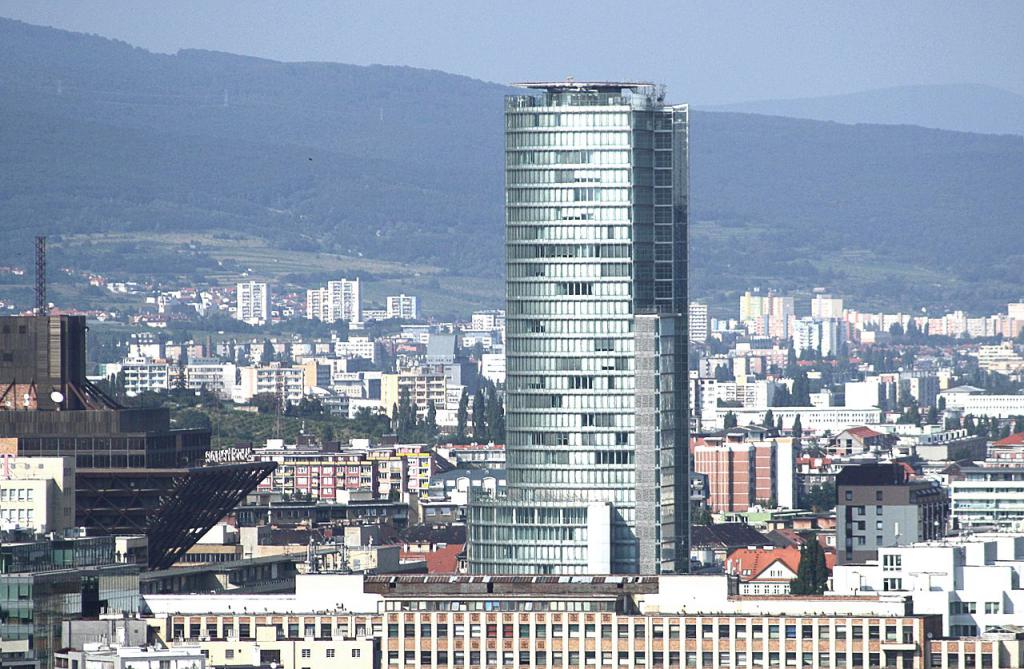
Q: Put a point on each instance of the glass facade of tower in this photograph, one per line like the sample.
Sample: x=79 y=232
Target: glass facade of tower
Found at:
x=596 y=211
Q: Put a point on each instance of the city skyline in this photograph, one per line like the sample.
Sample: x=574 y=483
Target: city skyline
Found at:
x=284 y=407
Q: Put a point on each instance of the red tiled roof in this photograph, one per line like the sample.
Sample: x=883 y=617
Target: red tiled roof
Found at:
x=864 y=432
x=749 y=563
x=444 y=560
x=1012 y=440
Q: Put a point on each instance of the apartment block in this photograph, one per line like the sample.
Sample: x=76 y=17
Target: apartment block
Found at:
x=337 y=301
x=881 y=505
x=405 y=307
x=252 y=302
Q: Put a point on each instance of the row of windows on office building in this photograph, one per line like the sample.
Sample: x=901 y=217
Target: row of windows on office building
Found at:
x=522 y=439
x=574 y=289
x=575 y=139
x=581 y=158
x=578 y=119
x=542 y=251
x=520 y=274
x=567 y=216
x=556 y=175
x=582 y=348
x=592 y=478
x=622 y=400
x=558 y=658
x=516 y=196
x=606 y=307
x=608 y=175
x=570 y=230
x=586 y=158
x=527 y=420
x=581 y=325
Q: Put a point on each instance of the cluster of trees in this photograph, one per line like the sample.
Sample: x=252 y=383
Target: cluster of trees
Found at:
x=812 y=574
x=991 y=428
x=407 y=424
x=488 y=416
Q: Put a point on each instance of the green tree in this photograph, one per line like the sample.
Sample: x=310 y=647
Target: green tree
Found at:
x=265 y=402
x=801 y=390
x=933 y=415
x=791 y=363
x=327 y=433
x=430 y=423
x=700 y=514
x=493 y=414
x=911 y=416
x=462 y=417
x=778 y=425
x=730 y=420
x=479 y=417
x=769 y=419
x=798 y=429
x=812 y=574
x=406 y=416
x=268 y=352
x=821 y=497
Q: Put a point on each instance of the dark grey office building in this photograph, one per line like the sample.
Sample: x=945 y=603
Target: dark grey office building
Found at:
x=880 y=505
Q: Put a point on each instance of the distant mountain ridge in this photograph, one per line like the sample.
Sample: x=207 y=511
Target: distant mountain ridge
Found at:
x=961 y=107
x=406 y=165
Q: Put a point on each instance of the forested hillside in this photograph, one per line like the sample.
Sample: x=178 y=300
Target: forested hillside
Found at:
x=405 y=165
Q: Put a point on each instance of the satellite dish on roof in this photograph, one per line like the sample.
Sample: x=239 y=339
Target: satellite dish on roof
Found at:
x=57 y=397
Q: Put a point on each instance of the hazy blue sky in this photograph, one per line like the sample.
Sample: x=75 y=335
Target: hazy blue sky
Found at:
x=707 y=52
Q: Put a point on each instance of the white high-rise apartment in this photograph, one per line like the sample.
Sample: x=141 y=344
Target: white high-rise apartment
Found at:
x=337 y=301
x=596 y=195
x=698 y=322
x=403 y=306
x=252 y=302
x=826 y=306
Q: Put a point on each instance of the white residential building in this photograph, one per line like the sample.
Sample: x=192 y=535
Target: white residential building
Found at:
x=212 y=375
x=990 y=494
x=492 y=367
x=405 y=307
x=252 y=302
x=826 y=306
x=142 y=375
x=864 y=394
x=973 y=581
x=272 y=380
x=357 y=347
x=698 y=322
x=492 y=319
x=337 y=301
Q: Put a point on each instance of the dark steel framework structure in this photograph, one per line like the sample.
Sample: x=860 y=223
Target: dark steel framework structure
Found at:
x=172 y=507
x=134 y=474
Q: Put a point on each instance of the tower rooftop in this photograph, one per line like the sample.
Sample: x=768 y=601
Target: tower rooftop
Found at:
x=572 y=85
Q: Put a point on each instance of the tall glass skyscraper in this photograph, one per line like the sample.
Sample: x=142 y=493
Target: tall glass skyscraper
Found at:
x=596 y=214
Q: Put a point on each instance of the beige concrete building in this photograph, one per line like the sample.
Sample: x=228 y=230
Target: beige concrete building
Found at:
x=551 y=622
x=37 y=493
